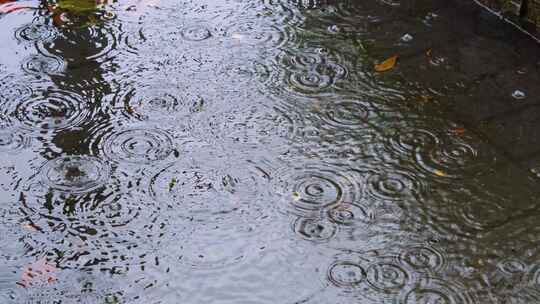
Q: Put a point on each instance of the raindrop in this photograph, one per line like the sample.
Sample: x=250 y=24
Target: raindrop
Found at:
x=315 y=188
x=195 y=33
x=350 y=214
x=423 y=258
x=388 y=277
x=138 y=145
x=314 y=230
x=346 y=274
x=75 y=174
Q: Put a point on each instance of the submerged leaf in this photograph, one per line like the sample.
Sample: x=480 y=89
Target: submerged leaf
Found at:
x=39 y=272
x=458 y=131
x=386 y=65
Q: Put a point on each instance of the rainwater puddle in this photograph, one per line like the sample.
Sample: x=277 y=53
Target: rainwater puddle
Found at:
x=255 y=151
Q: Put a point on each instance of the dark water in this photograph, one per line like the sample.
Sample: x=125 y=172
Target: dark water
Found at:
x=247 y=152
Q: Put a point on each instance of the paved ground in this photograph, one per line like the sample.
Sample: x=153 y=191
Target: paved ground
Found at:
x=491 y=74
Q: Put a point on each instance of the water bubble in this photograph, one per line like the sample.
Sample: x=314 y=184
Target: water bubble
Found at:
x=517 y=94
x=314 y=230
x=334 y=29
x=407 y=38
x=75 y=174
x=346 y=274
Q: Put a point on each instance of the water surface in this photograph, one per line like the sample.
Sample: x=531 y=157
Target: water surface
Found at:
x=247 y=152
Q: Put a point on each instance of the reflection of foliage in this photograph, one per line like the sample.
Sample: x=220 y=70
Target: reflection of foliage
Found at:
x=78 y=6
x=77 y=12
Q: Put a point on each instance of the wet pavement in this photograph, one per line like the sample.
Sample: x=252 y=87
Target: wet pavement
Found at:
x=248 y=152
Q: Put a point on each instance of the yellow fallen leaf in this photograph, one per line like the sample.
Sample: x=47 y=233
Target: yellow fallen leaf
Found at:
x=386 y=65
x=439 y=173
x=296 y=196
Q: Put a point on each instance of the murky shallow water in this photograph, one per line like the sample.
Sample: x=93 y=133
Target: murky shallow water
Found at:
x=246 y=152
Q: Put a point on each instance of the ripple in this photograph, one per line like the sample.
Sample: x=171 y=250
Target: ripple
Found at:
x=512 y=267
x=224 y=203
x=100 y=222
x=411 y=141
x=13 y=89
x=36 y=32
x=155 y=102
x=423 y=258
x=394 y=185
x=12 y=141
x=314 y=189
x=346 y=274
x=350 y=214
x=75 y=174
x=437 y=291
x=137 y=145
x=533 y=275
x=195 y=32
x=243 y=70
x=43 y=65
x=93 y=42
x=482 y=210
x=250 y=32
x=310 y=71
x=282 y=12
x=347 y=113
x=314 y=230
x=254 y=127
x=454 y=158
x=53 y=109
x=388 y=277
x=206 y=190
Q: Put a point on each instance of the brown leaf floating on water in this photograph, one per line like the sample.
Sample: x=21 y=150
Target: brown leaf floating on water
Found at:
x=386 y=65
